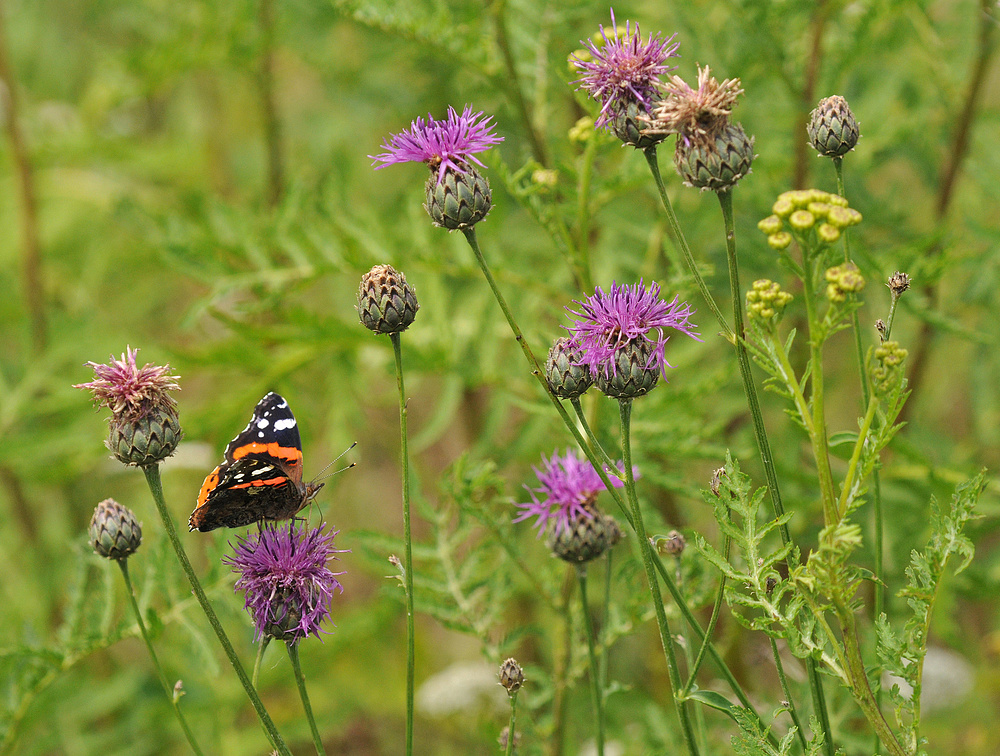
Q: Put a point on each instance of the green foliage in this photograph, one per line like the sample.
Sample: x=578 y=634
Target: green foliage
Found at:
x=902 y=653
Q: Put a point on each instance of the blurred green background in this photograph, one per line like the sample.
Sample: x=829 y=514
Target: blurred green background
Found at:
x=191 y=178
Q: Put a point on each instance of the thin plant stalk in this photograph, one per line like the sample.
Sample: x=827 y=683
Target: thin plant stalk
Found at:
x=404 y=464
x=513 y=721
x=595 y=679
x=156 y=489
x=587 y=449
x=171 y=694
x=625 y=410
x=605 y=615
x=585 y=424
x=675 y=228
x=763 y=445
x=789 y=701
x=300 y=681
x=706 y=641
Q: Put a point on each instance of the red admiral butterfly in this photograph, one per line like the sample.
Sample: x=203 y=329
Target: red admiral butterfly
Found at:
x=261 y=476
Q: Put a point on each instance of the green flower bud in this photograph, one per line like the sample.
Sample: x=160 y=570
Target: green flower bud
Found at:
x=566 y=378
x=718 y=165
x=833 y=130
x=114 y=531
x=386 y=302
x=637 y=372
x=460 y=200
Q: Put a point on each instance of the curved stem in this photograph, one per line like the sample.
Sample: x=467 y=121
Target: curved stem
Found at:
x=645 y=548
x=300 y=681
x=713 y=620
x=174 y=698
x=675 y=229
x=153 y=480
x=404 y=462
x=595 y=678
x=596 y=445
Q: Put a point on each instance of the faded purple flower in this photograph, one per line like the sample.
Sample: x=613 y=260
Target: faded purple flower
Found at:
x=287 y=585
x=608 y=321
x=568 y=483
x=448 y=144
x=695 y=115
x=624 y=69
x=131 y=391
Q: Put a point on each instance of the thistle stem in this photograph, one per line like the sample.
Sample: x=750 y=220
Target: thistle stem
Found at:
x=713 y=620
x=625 y=410
x=174 y=698
x=153 y=480
x=595 y=444
x=689 y=617
x=789 y=700
x=404 y=463
x=595 y=678
x=675 y=228
x=513 y=721
x=760 y=432
x=300 y=681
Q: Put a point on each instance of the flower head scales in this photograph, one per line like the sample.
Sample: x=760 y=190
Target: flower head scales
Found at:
x=608 y=322
x=131 y=391
x=446 y=144
x=568 y=483
x=287 y=585
x=624 y=68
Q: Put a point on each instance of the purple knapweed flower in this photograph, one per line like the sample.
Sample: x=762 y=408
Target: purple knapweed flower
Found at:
x=447 y=144
x=287 y=585
x=609 y=321
x=127 y=389
x=568 y=483
x=624 y=69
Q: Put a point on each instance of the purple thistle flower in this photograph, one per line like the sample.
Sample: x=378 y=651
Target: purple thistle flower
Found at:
x=624 y=69
x=131 y=391
x=608 y=322
x=447 y=144
x=287 y=585
x=568 y=483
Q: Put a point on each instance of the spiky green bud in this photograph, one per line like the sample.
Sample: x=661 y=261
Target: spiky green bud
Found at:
x=114 y=532
x=627 y=124
x=566 y=378
x=386 y=302
x=459 y=200
x=833 y=130
x=717 y=165
x=636 y=371
x=145 y=440
x=588 y=536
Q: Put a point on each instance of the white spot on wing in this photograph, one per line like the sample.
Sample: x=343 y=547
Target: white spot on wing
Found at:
x=260 y=434
x=284 y=424
x=262 y=470
x=283 y=404
x=263 y=422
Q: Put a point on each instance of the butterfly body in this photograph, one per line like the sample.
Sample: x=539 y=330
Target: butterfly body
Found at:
x=261 y=475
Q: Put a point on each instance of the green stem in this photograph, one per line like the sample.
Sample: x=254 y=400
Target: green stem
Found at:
x=855 y=670
x=174 y=699
x=675 y=228
x=595 y=444
x=595 y=678
x=408 y=565
x=713 y=620
x=585 y=281
x=645 y=548
x=513 y=721
x=616 y=495
x=153 y=480
x=300 y=681
x=760 y=432
x=261 y=648
x=852 y=467
x=605 y=615
x=789 y=700
x=818 y=436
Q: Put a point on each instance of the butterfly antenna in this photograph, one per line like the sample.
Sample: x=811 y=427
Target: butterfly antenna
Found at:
x=340 y=456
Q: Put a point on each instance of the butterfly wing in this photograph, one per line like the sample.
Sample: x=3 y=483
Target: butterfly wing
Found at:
x=261 y=476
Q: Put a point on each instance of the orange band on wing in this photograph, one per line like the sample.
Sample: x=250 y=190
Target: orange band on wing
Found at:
x=268 y=482
x=273 y=449
x=208 y=486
